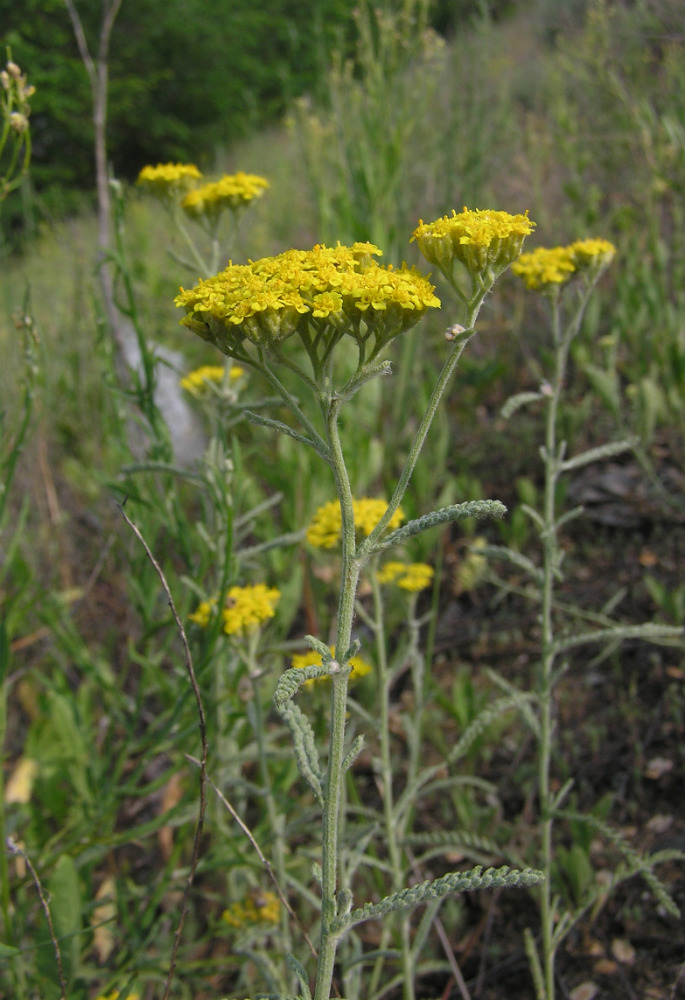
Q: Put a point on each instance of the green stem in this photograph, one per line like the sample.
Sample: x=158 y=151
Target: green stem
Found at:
x=332 y=812
x=366 y=547
x=205 y=270
x=383 y=678
x=551 y=565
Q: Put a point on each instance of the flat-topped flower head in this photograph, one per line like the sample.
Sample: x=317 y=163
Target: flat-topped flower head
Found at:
x=325 y=529
x=232 y=192
x=408 y=576
x=324 y=293
x=245 y=610
x=545 y=267
x=485 y=241
x=168 y=180
x=360 y=668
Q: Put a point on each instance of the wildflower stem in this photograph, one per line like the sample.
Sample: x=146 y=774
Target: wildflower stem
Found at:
x=391 y=826
x=366 y=547
x=551 y=568
x=334 y=773
x=200 y=262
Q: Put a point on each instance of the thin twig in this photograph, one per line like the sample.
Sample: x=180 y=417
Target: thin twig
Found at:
x=202 y=762
x=14 y=848
x=260 y=854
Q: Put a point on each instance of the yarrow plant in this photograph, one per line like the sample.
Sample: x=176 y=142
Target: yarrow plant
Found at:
x=297 y=315
x=567 y=277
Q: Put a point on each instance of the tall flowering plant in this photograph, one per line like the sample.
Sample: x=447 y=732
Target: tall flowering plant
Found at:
x=302 y=314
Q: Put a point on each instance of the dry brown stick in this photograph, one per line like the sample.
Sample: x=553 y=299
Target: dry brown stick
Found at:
x=203 y=760
x=260 y=854
x=14 y=848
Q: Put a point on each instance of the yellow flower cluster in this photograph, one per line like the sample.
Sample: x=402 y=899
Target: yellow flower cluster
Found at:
x=482 y=240
x=544 y=267
x=196 y=382
x=360 y=668
x=325 y=528
x=256 y=908
x=329 y=290
x=168 y=179
x=412 y=576
x=592 y=254
x=245 y=610
x=232 y=191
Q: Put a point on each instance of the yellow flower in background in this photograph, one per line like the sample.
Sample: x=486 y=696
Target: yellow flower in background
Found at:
x=368 y=512
x=409 y=576
x=256 y=908
x=232 y=191
x=167 y=179
x=593 y=254
x=330 y=290
x=545 y=266
x=483 y=240
x=245 y=609
x=196 y=382
x=325 y=528
x=360 y=668
x=203 y=613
